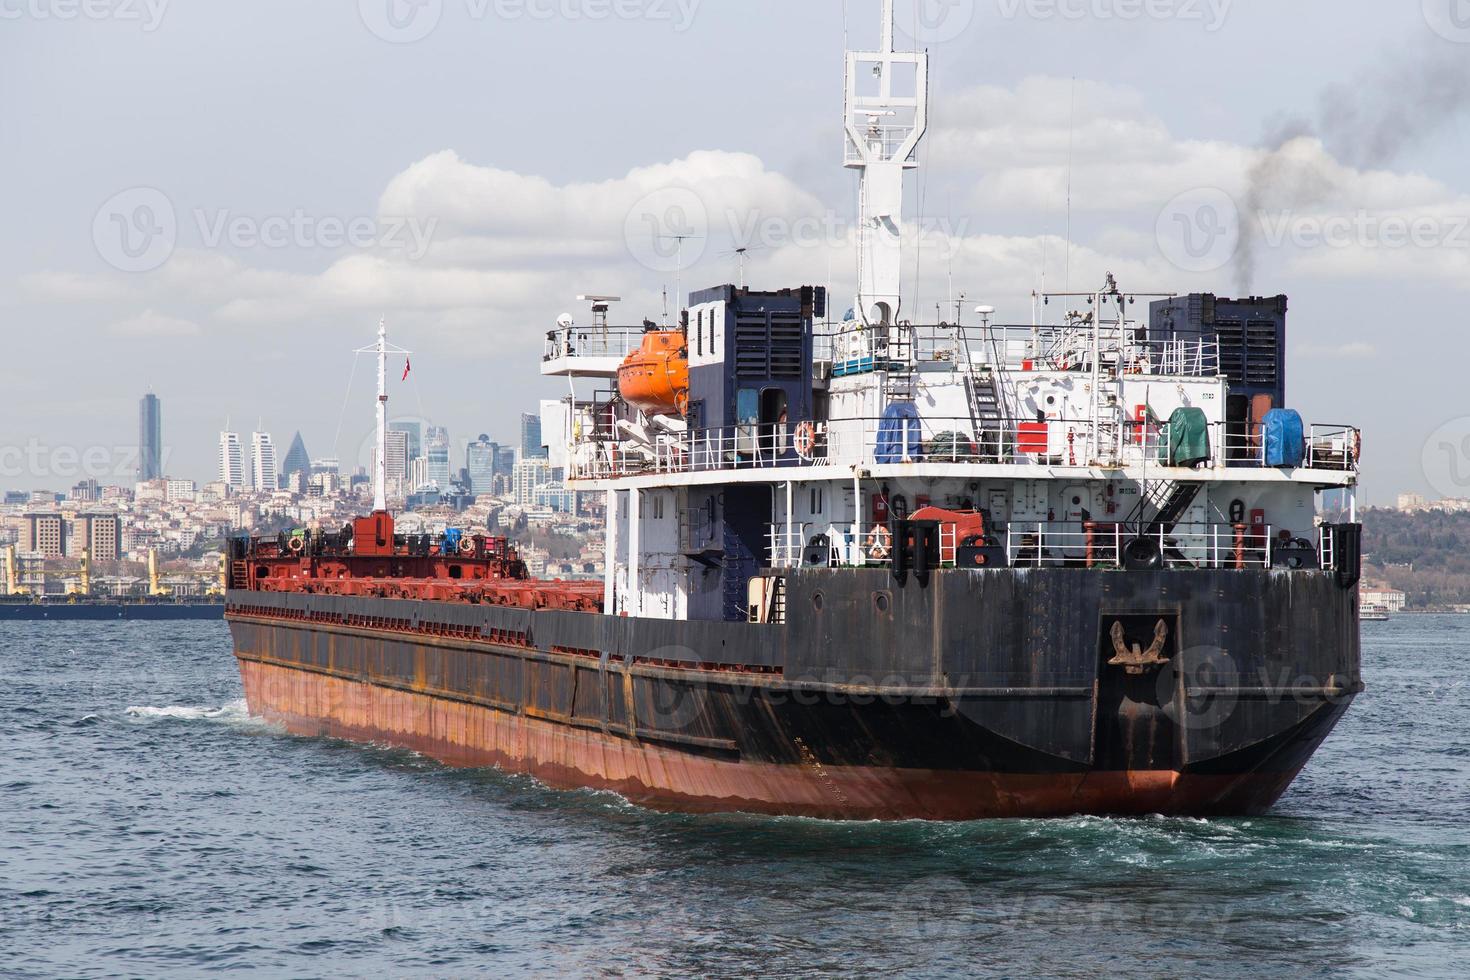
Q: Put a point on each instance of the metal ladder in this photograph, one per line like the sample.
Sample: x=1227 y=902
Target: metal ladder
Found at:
x=900 y=381
x=1169 y=500
x=987 y=413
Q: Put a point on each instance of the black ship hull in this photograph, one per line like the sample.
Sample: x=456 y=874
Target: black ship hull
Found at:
x=996 y=693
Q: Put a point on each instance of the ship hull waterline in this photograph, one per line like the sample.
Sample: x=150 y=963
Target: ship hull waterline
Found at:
x=753 y=743
x=471 y=736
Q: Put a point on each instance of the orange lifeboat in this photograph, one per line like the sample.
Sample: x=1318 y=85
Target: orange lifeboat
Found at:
x=655 y=377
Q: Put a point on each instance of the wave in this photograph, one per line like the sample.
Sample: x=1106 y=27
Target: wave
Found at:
x=233 y=711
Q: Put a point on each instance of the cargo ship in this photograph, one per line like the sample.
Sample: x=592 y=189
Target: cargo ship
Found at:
x=868 y=567
x=31 y=602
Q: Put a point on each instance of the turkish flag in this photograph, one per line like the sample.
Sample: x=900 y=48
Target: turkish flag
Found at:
x=406 y=366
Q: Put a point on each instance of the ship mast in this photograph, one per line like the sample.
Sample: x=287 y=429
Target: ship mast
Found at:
x=883 y=131
x=382 y=348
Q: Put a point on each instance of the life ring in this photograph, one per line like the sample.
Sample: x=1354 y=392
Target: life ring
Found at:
x=805 y=440
x=296 y=544
x=880 y=543
x=466 y=546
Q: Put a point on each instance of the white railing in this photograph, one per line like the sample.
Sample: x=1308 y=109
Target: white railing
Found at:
x=841 y=544
x=1051 y=544
x=592 y=341
x=1054 y=443
x=1044 y=544
x=883 y=141
x=855 y=348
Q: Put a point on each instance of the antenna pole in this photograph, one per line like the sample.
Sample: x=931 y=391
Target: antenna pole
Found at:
x=883 y=130
x=380 y=466
x=380 y=469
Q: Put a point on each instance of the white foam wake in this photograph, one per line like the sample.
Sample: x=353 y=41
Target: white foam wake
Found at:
x=234 y=711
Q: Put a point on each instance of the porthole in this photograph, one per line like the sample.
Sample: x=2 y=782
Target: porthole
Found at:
x=882 y=601
x=817 y=601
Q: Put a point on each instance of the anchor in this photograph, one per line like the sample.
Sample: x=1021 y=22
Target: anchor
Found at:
x=1138 y=660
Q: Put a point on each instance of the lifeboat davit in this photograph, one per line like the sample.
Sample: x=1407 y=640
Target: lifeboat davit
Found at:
x=655 y=377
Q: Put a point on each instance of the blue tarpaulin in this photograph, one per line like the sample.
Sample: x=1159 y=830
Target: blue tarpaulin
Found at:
x=899 y=438
x=1284 y=439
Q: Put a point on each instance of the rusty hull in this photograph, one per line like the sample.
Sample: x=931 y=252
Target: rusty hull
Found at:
x=988 y=694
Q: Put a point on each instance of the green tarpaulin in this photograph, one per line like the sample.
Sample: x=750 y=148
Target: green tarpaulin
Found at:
x=1189 y=437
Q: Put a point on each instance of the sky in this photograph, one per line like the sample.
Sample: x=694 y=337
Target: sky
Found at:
x=217 y=201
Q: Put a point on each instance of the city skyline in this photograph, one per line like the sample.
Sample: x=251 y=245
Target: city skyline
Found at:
x=153 y=458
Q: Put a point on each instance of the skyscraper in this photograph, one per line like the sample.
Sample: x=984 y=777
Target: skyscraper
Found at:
x=414 y=432
x=263 y=457
x=150 y=438
x=531 y=447
x=436 y=453
x=479 y=464
x=530 y=474
x=297 y=461
x=231 y=460
x=395 y=461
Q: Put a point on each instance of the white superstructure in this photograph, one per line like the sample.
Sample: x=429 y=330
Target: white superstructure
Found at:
x=1099 y=425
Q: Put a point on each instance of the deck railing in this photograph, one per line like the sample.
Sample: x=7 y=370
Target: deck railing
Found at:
x=592 y=341
x=1023 y=444
x=1052 y=544
x=855 y=348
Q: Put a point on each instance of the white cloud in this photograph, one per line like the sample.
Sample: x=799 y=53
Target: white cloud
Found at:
x=151 y=323
x=510 y=250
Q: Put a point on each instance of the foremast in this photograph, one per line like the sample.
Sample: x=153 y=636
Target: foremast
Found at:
x=883 y=132
x=380 y=478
